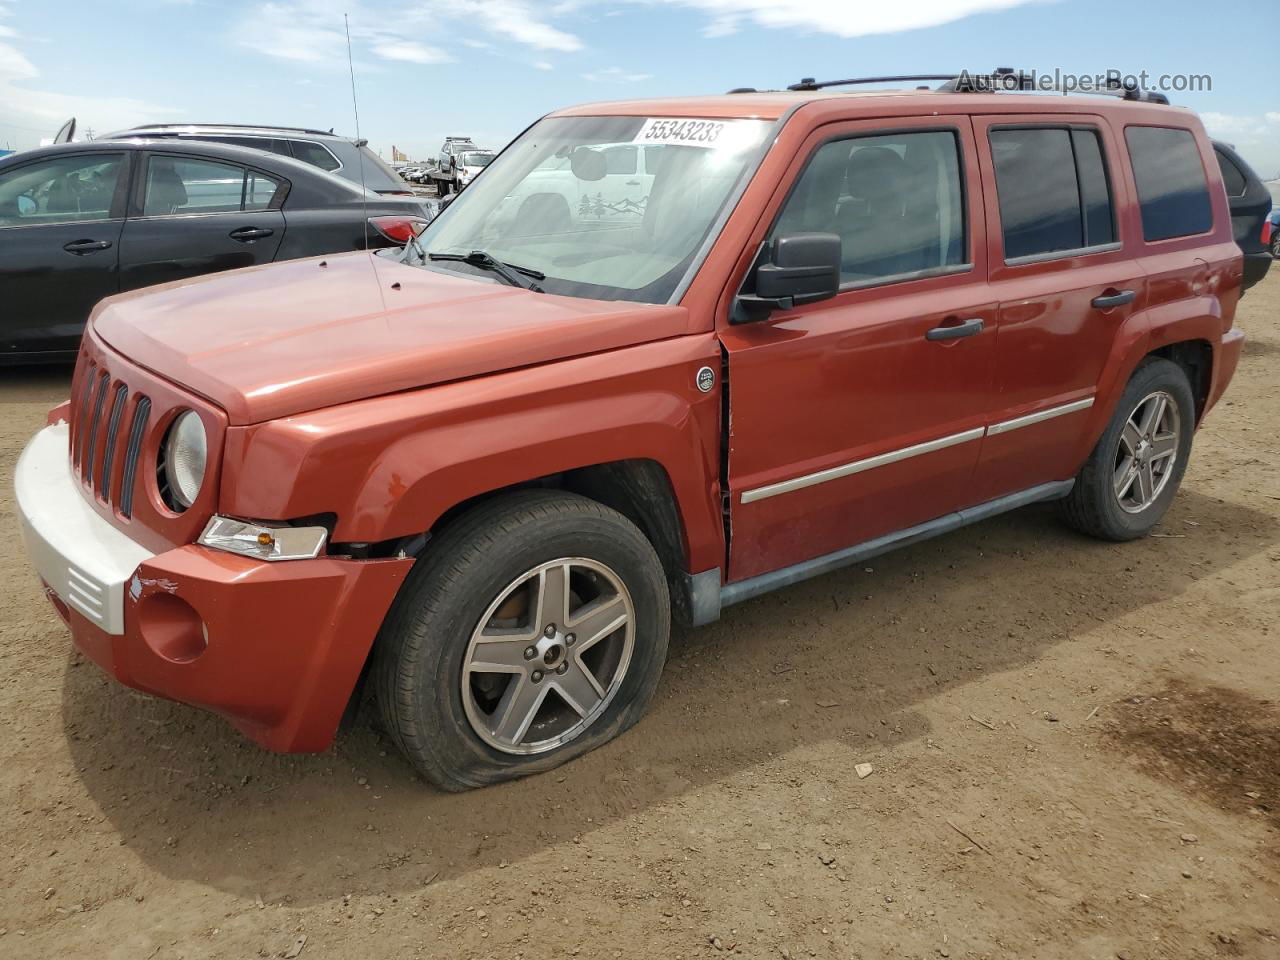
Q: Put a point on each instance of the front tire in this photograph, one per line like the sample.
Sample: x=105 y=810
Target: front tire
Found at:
x=1127 y=484
x=533 y=630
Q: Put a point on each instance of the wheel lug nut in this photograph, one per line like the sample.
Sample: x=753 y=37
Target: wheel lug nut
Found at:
x=550 y=631
x=530 y=652
x=562 y=669
x=570 y=639
x=536 y=676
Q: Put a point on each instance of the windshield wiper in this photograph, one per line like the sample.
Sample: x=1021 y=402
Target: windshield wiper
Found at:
x=509 y=272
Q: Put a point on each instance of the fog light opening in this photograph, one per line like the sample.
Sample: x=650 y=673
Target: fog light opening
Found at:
x=172 y=628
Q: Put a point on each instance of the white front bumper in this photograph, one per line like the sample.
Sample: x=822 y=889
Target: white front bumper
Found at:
x=83 y=558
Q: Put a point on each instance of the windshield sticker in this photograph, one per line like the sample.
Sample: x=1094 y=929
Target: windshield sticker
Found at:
x=688 y=132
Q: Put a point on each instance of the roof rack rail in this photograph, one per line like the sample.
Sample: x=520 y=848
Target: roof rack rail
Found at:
x=231 y=126
x=1000 y=80
x=809 y=83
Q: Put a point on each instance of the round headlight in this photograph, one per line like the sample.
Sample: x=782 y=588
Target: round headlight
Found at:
x=185 y=453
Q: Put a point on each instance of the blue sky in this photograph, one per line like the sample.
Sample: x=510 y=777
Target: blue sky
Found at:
x=426 y=68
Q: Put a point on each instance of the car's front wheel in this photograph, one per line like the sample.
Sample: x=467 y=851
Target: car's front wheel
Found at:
x=532 y=631
x=1128 y=482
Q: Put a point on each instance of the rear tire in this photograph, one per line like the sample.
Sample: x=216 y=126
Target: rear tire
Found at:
x=1127 y=484
x=471 y=683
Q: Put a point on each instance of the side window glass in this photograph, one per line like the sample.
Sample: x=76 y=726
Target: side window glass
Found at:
x=896 y=202
x=1095 y=188
x=176 y=185
x=259 y=189
x=620 y=160
x=1232 y=175
x=71 y=188
x=1172 y=189
x=314 y=154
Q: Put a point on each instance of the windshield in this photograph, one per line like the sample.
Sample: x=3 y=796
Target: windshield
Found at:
x=476 y=159
x=611 y=208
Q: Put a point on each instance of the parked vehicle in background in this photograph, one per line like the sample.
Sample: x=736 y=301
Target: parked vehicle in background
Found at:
x=445 y=172
x=468 y=165
x=1250 y=203
x=495 y=466
x=82 y=221
x=350 y=159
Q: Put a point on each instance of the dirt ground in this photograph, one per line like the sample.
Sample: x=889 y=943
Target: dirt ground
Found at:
x=1076 y=752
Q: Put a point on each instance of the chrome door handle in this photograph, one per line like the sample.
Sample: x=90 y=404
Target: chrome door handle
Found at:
x=966 y=328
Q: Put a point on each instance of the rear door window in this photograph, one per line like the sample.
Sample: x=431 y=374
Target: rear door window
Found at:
x=1053 y=191
x=1172 y=190
x=178 y=185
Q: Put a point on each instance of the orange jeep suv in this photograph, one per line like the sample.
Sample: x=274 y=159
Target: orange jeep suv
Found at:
x=659 y=358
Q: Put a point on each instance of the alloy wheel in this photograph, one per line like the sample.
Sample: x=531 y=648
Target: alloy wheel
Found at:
x=1147 y=452
x=548 y=656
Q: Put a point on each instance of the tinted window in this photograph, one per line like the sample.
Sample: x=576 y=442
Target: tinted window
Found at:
x=176 y=185
x=259 y=190
x=1095 y=189
x=314 y=154
x=895 y=201
x=1172 y=189
x=1232 y=175
x=257 y=143
x=69 y=188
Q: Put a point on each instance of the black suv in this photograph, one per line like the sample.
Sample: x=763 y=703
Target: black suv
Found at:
x=350 y=159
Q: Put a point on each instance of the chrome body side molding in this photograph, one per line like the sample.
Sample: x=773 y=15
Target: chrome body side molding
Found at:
x=747 y=589
x=905 y=453
x=858 y=466
x=1040 y=416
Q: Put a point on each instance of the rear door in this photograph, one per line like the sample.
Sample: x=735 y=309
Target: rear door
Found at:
x=193 y=215
x=60 y=223
x=1066 y=284
x=862 y=415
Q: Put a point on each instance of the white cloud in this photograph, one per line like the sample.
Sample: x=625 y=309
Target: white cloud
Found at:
x=13 y=63
x=517 y=20
x=38 y=113
x=411 y=51
x=839 y=17
x=614 y=75
x=1241 y=126
x=542 y=65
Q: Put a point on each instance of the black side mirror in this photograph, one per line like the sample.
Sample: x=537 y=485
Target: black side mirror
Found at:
x=803 y=268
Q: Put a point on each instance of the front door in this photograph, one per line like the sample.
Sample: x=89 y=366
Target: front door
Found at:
x=192 y=216
x=862 y=415
x=60 y=219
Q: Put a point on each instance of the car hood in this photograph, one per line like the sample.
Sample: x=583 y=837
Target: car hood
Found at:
x=272 y=341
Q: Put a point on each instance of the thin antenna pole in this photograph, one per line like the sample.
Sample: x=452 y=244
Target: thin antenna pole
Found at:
x=355 y=108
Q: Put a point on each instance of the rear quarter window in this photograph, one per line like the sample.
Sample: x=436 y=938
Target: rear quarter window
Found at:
x=1232 y=176
x=1172 y=190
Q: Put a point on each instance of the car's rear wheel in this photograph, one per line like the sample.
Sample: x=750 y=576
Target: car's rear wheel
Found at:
x=1128 y=482
x=1275 y=244
x=532 y=631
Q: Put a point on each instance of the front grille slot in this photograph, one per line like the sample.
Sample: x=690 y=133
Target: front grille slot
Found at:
x=141 y=413
x=118 y=400
x=85 y=408
x=95 y=420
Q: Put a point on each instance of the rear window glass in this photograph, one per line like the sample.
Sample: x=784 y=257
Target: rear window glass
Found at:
x=1232 y=175
x=1052 y=188
x=314 y=154
x=1172 y=189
